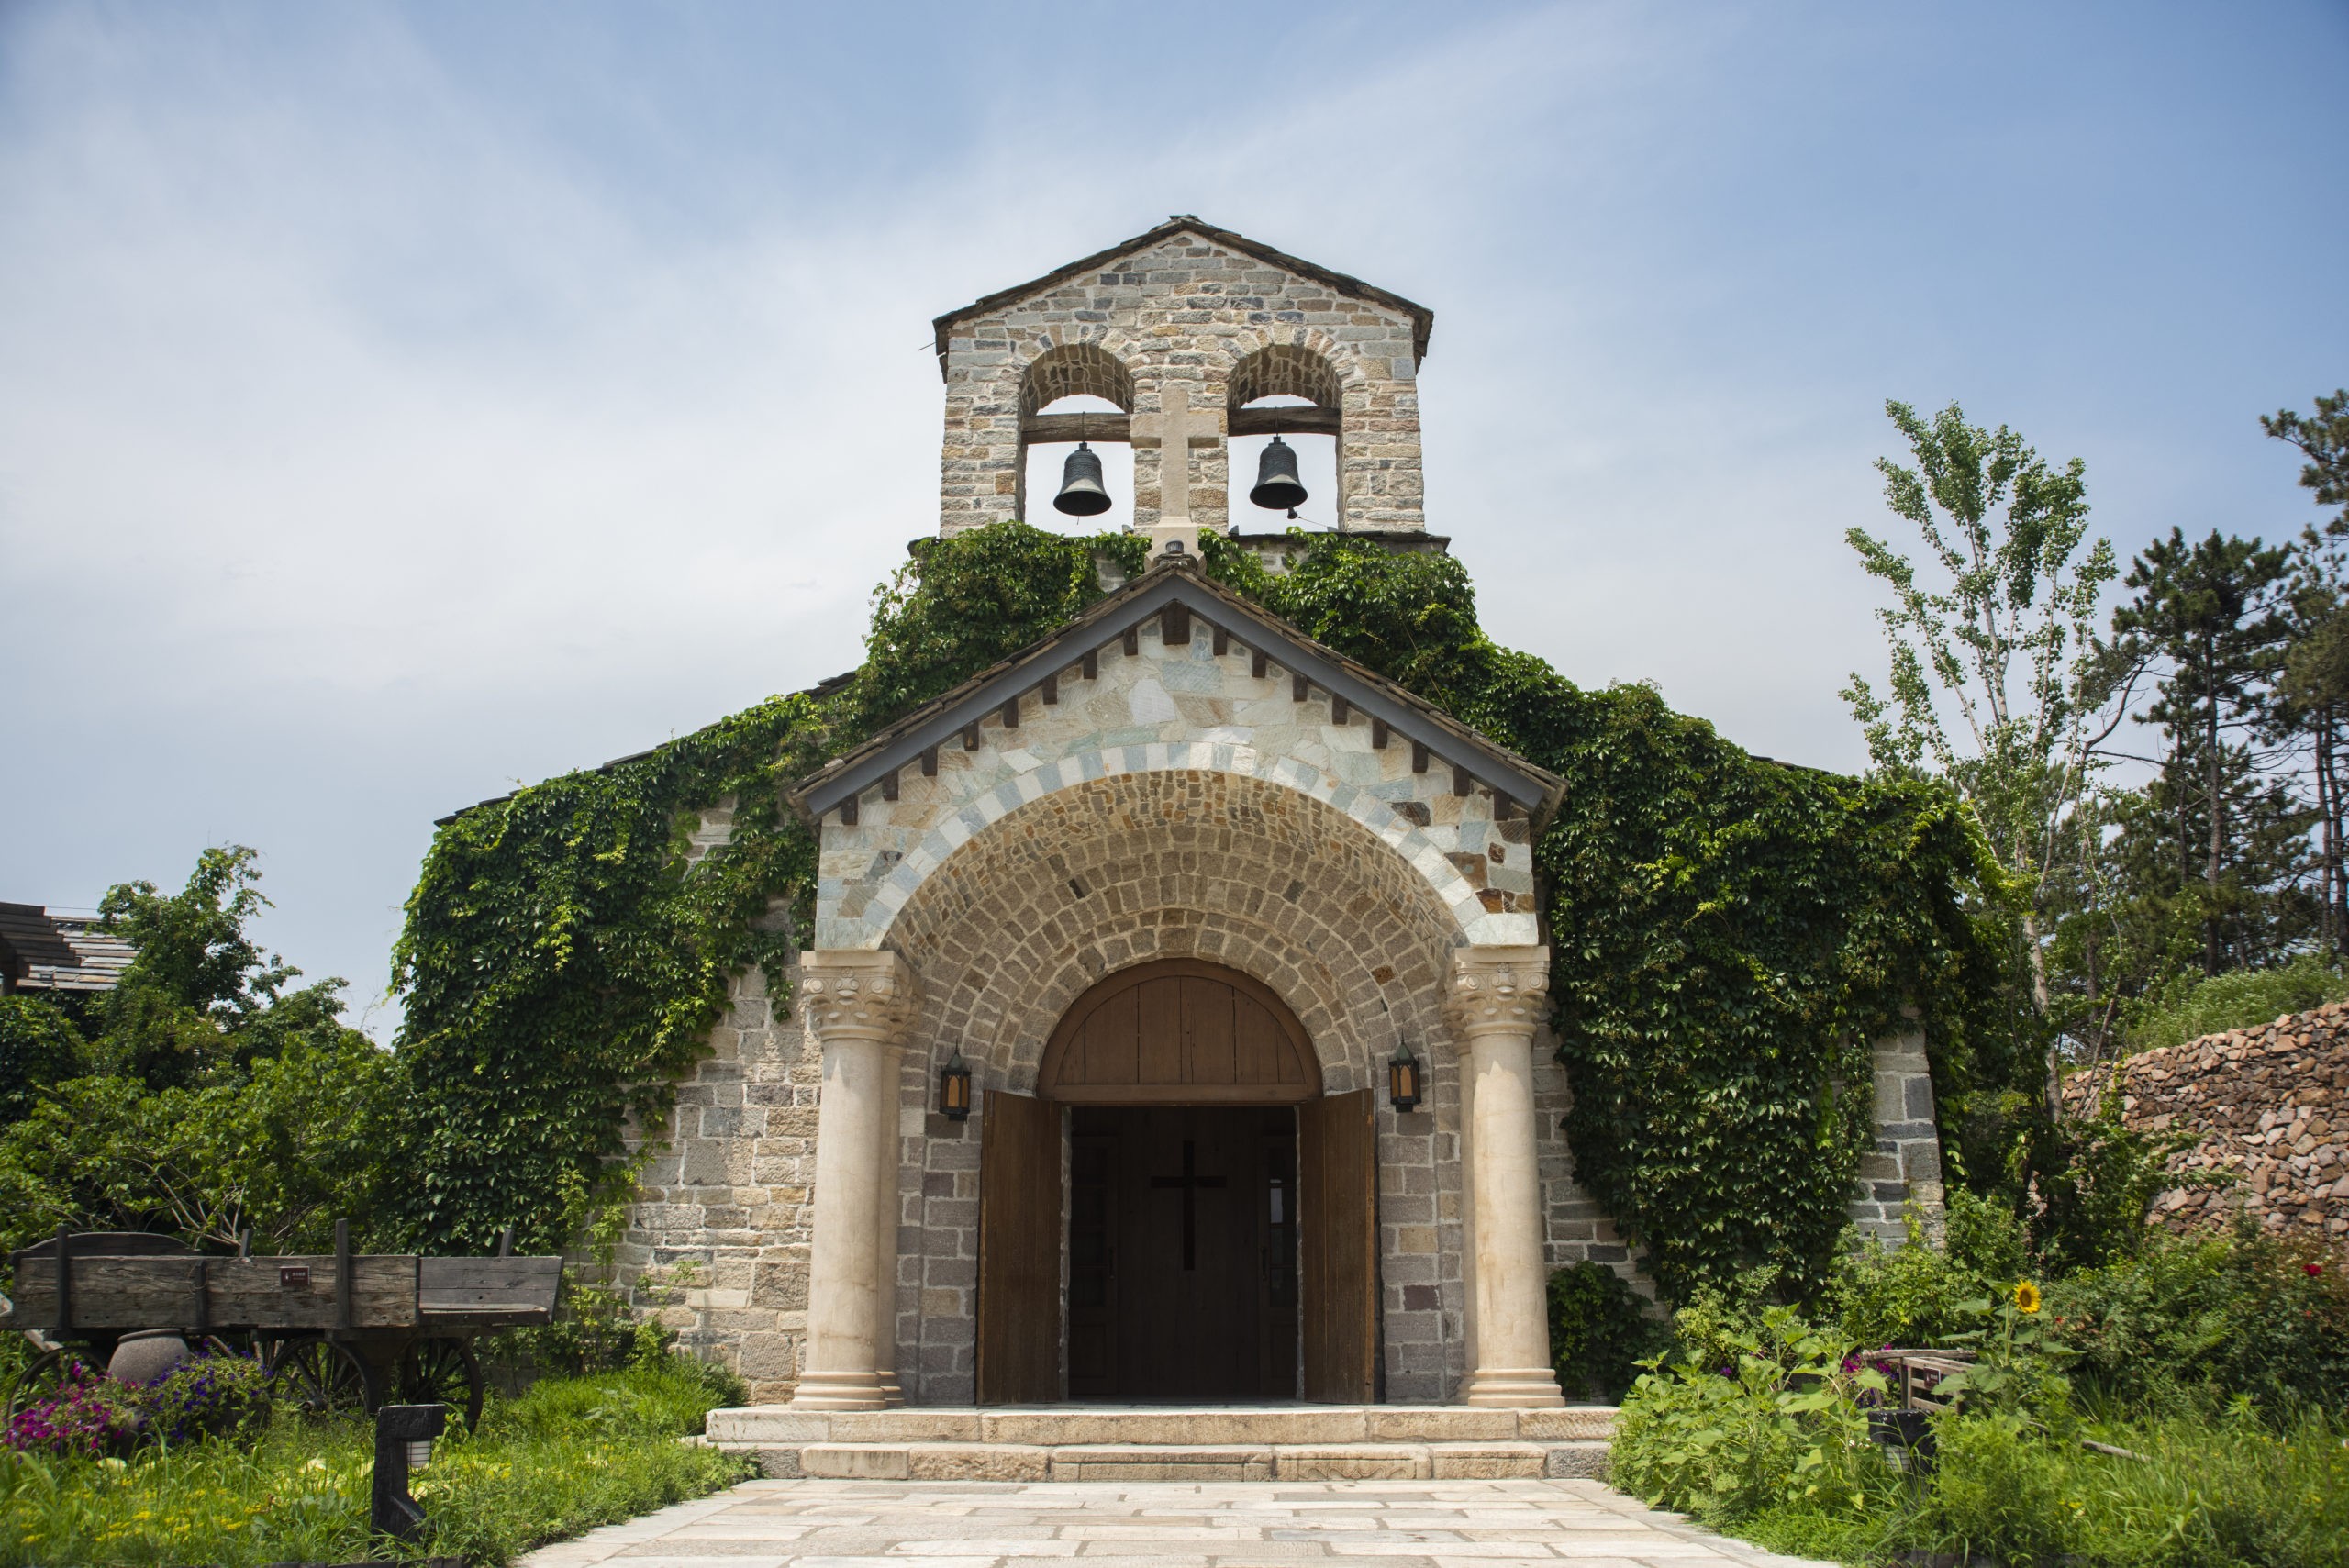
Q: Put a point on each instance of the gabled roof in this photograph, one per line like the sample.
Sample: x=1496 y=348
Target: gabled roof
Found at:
x=1143 y=598
x=1422 y=318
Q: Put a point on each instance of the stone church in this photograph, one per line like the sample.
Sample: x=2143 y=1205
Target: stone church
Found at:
x=1236 y=941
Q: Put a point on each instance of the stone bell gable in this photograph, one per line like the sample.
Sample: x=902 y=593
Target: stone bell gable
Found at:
x=1213 y=316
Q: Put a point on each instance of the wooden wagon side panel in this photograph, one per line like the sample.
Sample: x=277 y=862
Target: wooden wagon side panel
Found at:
x=488 y=1290
x=219 y=1293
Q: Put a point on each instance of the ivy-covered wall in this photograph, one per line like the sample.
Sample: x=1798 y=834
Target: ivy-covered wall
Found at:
x=1727 y=934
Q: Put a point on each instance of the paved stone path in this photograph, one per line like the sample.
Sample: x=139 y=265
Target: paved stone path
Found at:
x=1158 y=1524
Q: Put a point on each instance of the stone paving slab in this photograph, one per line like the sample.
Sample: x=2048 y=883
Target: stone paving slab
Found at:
x=1159 y=1524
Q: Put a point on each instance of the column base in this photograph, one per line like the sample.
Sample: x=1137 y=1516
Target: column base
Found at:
x=838 y=1391
x=1533 y=1387
x=892 y=1394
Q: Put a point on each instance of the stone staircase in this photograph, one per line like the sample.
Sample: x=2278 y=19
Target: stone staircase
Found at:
x=1147 y=1442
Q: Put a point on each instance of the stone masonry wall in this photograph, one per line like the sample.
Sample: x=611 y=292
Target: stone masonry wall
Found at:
x=2271 y=1108
x=717 y=1241
x=1905 y=1167
x=1192 y=310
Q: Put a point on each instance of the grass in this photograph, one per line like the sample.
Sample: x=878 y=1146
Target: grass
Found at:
x=570 y=1454
x=2226 y=1492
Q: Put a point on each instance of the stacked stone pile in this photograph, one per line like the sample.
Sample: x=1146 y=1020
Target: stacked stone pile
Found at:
x=2270 y=1107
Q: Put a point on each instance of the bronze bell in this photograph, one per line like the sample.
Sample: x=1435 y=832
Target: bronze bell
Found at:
x=1082 y=494
x=1278 y=486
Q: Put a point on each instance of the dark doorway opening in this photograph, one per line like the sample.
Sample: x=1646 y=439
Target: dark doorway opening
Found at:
x=1183 y=1252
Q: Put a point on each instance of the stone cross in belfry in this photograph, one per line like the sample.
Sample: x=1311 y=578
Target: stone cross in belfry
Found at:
x=1175 y=430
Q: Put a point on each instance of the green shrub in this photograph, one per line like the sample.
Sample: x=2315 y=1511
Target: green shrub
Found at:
x=2203 y=1320
x=1600 y=1331
x=2191 y=1005
x=1780 y=1421
x=1884 y=1297
x=2000 y=1491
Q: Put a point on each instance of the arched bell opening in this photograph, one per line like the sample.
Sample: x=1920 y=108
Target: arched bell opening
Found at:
x=1286 y=418
x=1076 y=399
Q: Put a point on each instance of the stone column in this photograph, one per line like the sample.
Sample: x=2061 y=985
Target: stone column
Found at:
x=884 y=1240
x=1496 y=1000
x=859 y=1003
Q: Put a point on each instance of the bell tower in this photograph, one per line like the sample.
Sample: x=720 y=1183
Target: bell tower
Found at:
x=1194 y=336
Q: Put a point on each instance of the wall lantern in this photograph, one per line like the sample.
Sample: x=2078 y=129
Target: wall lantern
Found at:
x=954 y=1088
x=1403 y=1078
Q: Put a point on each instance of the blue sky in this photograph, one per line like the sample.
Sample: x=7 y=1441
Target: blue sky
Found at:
x=398 y=403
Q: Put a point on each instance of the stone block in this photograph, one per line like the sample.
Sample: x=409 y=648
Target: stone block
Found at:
x=1577 y=1461
x=979 y=1462
x=1456 y=1423
x=1351 y=1462
x=779 y=1464
x=1488 y=1462
x=1170 y=1462
x=1573 y=1423
x=907 y=1424
x=856 y=1461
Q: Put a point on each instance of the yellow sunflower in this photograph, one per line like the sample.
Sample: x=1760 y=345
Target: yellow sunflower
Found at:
x=2026 y=1297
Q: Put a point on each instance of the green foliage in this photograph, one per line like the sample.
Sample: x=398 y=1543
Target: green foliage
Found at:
x=2323 y=439
x=282 y=1148
x=1727 y=934
x=1759 y=1431
x=39 y=1047
x=1778 y=1420
x=1600 y=1331
x=564 y=964
x=962 y=604
x=2191 y=1005
x=2190 y=1323
x=199 y=995
x=570 y=1454
x=2094 y=1181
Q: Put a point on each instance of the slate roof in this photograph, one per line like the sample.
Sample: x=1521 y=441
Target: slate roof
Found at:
x=1422 y=318
x=41 y=950
x=1140 y=599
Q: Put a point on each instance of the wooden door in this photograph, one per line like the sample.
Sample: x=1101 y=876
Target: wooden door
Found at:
x=1179 y=1031
x=1019 y=1250
x=1181 y=1279
x=1337 y=1200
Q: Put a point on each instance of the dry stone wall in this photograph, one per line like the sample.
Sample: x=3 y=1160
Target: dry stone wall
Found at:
x=2269 y=1109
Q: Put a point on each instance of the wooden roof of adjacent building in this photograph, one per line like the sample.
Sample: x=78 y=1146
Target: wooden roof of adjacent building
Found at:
x=45 y=949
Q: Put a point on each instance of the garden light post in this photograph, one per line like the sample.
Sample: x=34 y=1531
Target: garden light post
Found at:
x=403 y=1435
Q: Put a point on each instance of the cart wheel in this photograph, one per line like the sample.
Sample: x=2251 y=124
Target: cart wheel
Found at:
x=321 y=1377
x=442 y=1371
x=41 y=1378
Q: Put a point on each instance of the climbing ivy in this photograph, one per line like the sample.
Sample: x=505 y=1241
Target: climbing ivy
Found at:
x=565 y=954
x=1727 y=933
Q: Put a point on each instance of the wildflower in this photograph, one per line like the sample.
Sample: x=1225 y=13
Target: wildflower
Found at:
x=2026 y=1297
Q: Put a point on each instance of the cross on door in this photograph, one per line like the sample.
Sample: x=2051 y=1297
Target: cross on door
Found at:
x=1190 y=1182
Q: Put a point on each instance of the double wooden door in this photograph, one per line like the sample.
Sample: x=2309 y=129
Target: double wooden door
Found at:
x=1182 y=1253
x=1215 y=1249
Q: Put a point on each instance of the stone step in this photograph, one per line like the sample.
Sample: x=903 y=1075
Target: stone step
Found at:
x=1313 y=1442
x=1057 y=1424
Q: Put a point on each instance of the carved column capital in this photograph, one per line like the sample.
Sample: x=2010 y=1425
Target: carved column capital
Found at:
x=1497 y=990
x=857 y=994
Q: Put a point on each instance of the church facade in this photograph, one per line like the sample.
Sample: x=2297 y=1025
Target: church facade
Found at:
x=1176 y=1021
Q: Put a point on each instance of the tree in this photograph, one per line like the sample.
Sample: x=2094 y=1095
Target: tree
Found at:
x=200 y=994
x=2006 y=642
x=2323 y=439
x=2209 y=616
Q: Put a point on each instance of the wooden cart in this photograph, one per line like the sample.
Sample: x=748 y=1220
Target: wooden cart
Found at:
x=336 y=1331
